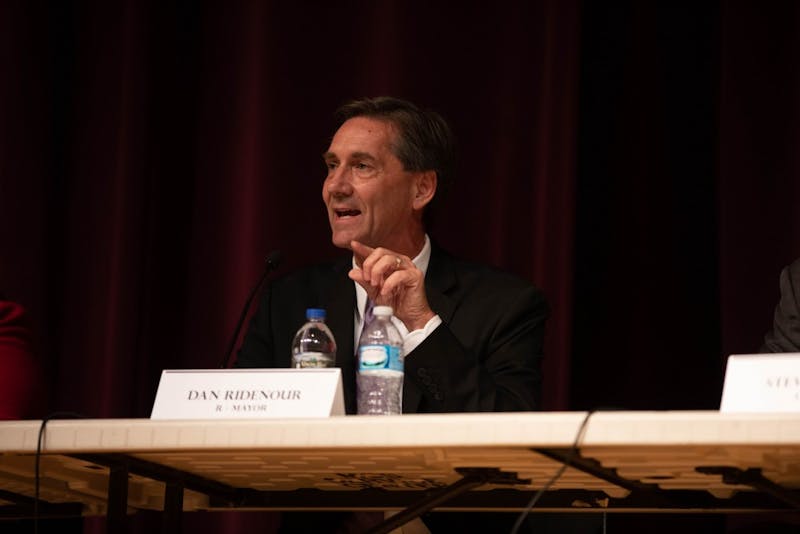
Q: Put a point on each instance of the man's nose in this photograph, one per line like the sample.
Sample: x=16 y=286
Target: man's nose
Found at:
x=338 y=182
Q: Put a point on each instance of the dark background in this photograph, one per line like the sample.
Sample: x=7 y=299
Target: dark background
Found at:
x=636 y=160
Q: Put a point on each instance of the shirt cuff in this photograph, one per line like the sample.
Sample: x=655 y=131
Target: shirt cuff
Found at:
x=411 y=340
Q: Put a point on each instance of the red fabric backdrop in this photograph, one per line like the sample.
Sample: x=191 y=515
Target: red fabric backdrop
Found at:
x=636 y=161
x=155 y=154
x=151 y=156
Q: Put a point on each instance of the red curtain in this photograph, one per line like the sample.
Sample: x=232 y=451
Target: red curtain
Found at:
x=154 y=154
x=636 y=161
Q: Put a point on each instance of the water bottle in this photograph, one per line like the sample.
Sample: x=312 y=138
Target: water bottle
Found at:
x=313 y=345
x=380 y=366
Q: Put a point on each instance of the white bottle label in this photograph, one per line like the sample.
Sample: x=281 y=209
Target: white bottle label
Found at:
x=305 y=360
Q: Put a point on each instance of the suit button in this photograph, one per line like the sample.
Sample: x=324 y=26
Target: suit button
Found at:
x=438 y=396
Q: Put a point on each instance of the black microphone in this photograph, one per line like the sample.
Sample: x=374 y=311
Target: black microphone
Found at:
x=272 y=262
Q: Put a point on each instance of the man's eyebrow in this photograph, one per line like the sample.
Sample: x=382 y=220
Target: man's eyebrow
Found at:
x=362 y=155
x=330 y=156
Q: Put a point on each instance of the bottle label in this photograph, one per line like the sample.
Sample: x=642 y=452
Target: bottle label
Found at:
x=306 y=359
x=375 y=357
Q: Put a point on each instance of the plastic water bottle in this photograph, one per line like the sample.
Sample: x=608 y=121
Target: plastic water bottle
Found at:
x=313 y=345
x=380 y=366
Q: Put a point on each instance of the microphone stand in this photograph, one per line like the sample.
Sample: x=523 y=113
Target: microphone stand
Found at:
x=273 y=260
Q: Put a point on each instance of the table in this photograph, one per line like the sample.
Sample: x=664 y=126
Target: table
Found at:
x=675 y=461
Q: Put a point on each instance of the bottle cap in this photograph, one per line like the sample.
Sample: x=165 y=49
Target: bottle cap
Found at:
x=315 y=313
x=382 y=310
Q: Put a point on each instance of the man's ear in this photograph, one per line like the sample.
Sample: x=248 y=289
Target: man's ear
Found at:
x=424 y=188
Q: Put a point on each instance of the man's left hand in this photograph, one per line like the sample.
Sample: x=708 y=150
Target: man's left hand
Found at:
x=392 y=279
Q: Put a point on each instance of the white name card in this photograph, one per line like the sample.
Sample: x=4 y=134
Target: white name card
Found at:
x=248 y=394
x=762 y=383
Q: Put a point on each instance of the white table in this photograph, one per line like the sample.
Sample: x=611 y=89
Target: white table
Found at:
x=628 y=461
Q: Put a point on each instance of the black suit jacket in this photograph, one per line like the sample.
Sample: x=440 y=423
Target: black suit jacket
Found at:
x=785 y=334
x=485 y=356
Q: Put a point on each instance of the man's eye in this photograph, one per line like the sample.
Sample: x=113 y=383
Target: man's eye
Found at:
x=331 y=165
x=361 y=167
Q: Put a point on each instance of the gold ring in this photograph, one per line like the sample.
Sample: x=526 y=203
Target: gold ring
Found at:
x=397 y=262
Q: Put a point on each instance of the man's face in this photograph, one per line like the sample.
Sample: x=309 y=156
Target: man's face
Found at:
x=368 y=194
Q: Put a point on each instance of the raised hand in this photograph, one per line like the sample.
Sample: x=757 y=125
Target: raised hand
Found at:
x=392 y=279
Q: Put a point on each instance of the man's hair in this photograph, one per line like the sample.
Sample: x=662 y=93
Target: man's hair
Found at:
x=424 y=140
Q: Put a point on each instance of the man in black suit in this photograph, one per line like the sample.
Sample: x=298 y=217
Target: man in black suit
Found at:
x=785 y=334
x=472 y=335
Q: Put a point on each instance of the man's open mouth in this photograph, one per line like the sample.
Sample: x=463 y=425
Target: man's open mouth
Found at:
x=346 y=213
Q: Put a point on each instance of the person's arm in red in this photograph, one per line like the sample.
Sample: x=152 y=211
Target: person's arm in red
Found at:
x=17 y=365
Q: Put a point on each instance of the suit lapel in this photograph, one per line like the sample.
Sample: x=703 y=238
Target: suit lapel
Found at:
x=440 y=280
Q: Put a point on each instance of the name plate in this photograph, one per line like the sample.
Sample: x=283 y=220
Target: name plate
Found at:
x=762 y=383
x=248 y=394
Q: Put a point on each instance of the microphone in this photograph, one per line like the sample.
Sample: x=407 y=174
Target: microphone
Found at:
x=272 y=262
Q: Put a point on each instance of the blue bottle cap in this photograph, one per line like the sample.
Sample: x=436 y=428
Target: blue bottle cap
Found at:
x=315 y=313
